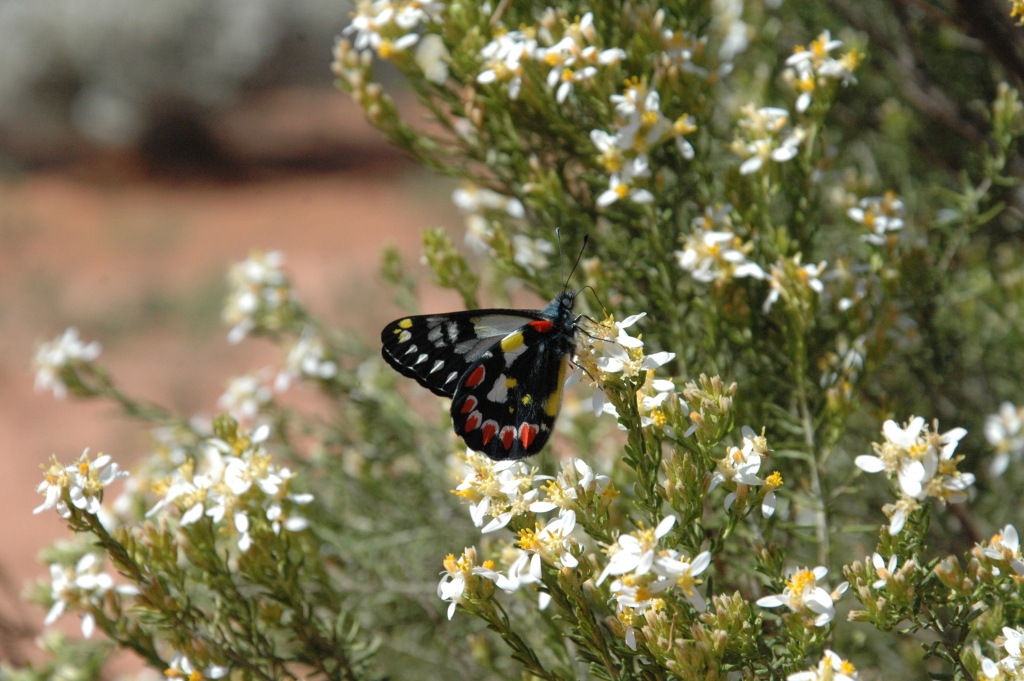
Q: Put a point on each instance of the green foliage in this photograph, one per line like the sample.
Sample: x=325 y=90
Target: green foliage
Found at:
x=823 y=248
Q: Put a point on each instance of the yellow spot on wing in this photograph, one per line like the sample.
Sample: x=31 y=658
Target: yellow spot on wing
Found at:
x=527 y=399
x=511 y=382
x=512 y=342
x=554 y=400
x=405 y=323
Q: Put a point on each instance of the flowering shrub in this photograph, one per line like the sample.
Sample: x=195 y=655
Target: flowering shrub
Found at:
x=775 y=279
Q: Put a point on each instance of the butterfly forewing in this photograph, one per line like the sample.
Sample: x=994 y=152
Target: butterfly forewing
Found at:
x=437 y=349
x=503 y=369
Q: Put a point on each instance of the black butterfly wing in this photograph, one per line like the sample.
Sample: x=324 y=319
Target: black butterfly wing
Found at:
x=506 y=403
x=437 y=350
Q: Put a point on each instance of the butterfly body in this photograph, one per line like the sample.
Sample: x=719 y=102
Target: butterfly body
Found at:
x=503 y=370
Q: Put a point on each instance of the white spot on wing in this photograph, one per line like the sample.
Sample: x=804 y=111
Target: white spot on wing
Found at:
x=497 y=324
x=419 y=360
x=437 y=365
x=499 y=393
x=451 y=377
x=412 y=349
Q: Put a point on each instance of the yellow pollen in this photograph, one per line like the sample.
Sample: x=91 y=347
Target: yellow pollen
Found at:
x=774 y=480
x=683 y=126
x=801 y=580
x=83 y=467
x=847 y=668
x=649 y=118
x=489 y=564
x=567 y=75
x=386 y=50
x=195 y=676
x=528 y=540
x=449 y=563
x=622 y=190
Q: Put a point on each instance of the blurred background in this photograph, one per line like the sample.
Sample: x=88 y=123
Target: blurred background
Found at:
x=144 y=147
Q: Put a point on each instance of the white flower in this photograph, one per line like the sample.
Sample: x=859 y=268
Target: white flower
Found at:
x=1005 y=432
x=182 y=668
x=766 y=137
x=830 y=668
x=552 y=542
x=713 y=255
x=259 y=294
x=790 y=280
x=504 y=57
x=803 y=595
x=683 y=573
x=620 y=187
x=502 y=490
x=884 y=570
x=634 y=552
x=809 y=68
x=531 y=254
x=459 y=577
x=1005 y=546
x=307 y=357
x=245 y=397
x=81 y=587
x=84 y=482
x=432 y=57
x=53 y=357
x=879 y=214
x=472 y=198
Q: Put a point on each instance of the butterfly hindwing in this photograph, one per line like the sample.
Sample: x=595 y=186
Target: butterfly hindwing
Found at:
x=506 y=403
x=503 y=369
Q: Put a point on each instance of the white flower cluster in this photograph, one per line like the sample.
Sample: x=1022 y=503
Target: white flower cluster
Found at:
x=642 y=572
x=765 y=135
x=717 y=256
x=80 y=587
x=1011 y=666
x=738 y=470
x=389 y=26
x=82 y=483
x=831 y=667
x=246 y=397
x=235 y=490
x=639 y=127
x=477 y=203
x=259 y=293
x=1002 y=554
x=810 y=68
x=805 y=597
x=607 y=350
x=791 y=281
x=308 y=357
x=181 y=667
x=879 y=215
x=571 y=58
x=500 y=490
x=922 y=463
x=54 y=357
x=1005 y=432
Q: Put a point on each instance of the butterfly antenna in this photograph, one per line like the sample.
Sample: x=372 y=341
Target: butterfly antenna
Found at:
x=579 y=257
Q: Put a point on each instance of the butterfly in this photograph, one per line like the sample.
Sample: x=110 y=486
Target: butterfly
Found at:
x=504 y=370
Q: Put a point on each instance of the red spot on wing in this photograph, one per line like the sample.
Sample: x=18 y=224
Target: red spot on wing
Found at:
x=527 y=434
x=473 y=422
x=490 y=430
x=469 y=405
x=508 y=436
x=475 y=377
x=541 y=325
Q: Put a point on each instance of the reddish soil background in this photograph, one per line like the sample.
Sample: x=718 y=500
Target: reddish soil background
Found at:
x=138 y=263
